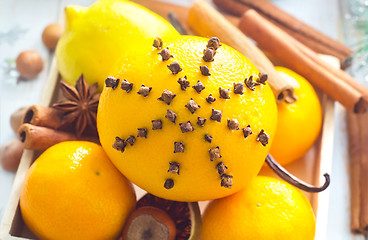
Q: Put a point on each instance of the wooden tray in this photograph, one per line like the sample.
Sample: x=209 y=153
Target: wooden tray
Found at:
x=309 y=168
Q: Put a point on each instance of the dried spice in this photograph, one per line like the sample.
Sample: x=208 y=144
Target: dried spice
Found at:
x=119 y=144
x=156 y=124
x=221 y=168
x=112 y=82
x=247 y=131
x=142 y=132
x=184 y=83
x=165 y=54
x=174 y=168
x=125 y=85
x=144 y=91
x=158 y=43
x=209 y=54
x=224 y=93
x=174 y=68
x=186 y=127
x=199 y=86
x=214 y=153
x=210 y=99
x=130 y=140
x=80 y=110
x=167 y=96
x=205 y=70
x=208 y=138
x=263 y=137
x=250 y=83
x=192 y=106
x=213 y=42
x=262 y=78
x=184 y=214
x=226 y=181
x=178 y=147
x=216 y=115
x=233 y=124
x=171 y=115
x=169 y=183
x=201 y=121
x=239 y=88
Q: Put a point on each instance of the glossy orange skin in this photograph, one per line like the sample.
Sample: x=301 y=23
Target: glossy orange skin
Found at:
x=146 y=163
x=72 y=191
x=268 y=209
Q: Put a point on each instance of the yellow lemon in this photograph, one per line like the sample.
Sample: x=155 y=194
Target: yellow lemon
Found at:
x=185 y=146
x=267 y=209
x=73 y=191
x=95 y=37
x=298 y=123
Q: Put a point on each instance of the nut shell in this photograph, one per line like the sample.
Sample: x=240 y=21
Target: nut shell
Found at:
x=10 y=155
x=51 y=35
x=29 y=64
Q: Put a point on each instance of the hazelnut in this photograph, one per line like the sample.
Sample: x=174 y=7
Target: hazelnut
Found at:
x=29 y=64
x=51 y=35
x=10 y=155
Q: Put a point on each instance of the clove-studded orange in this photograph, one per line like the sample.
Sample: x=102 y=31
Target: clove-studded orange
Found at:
x=194 y=125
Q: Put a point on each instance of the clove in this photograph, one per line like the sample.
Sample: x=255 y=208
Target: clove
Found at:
x=184 y=83
x=178 y=147
x=156 y=124
x=158 y=43
x=201 y=121
x=142 y=132
x=174 y=68
x=247 y=131
x=199 y=86
x=174 y=168
x=192 y=106
x=167 y=96
x=214 y=153
x=112 y=82
x=171 y=116
x=210 y=99
x=216 y=115
x=205 y=70
x=263 y=137
x=186 y=127
x=125 y=85
x=144 y=91
x=165 y=54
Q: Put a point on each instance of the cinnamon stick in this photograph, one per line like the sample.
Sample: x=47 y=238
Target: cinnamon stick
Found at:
x=208 y=22
x=355 y=153
x=299 y=30
x=363 y=120
x=40 y=138
x=302 y=59
x=43 y=116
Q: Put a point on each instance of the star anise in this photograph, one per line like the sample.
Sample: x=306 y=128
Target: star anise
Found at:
x=80 y=108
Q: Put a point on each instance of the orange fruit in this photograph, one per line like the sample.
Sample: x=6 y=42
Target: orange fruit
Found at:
x=268 y=209
x=96 y=36
x=72 y=191
x=151 y=162
x=298 y=123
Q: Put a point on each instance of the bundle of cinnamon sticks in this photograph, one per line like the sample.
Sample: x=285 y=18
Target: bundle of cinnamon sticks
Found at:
x=38 y=126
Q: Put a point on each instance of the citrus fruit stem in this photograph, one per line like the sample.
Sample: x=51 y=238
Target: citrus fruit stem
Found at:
x=288 y=177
